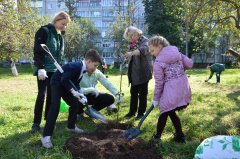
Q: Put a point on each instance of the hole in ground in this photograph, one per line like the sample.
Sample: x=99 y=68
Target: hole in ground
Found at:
x=104 y=143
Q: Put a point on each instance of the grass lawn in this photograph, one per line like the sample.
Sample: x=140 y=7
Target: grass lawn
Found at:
x=213 y=110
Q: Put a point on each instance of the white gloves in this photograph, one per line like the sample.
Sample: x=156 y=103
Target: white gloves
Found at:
x=218 y=75
x=95 y=92
x=119 y=99
x=81 y=98
x=42 y=74
x=155 y=103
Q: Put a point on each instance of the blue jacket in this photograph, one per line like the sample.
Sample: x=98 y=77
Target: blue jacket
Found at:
x=72 y=71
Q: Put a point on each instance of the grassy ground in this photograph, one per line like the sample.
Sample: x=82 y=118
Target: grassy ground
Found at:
x=214 y=110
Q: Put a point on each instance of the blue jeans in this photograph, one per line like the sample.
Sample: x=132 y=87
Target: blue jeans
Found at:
x=218 y=77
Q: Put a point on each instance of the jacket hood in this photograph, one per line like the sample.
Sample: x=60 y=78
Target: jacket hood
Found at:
x=169 y=55
x=49 y=25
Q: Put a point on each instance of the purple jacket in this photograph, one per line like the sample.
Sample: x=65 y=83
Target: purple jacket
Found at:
x=172 y=89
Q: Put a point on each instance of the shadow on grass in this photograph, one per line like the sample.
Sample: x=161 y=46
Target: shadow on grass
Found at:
x=200 y=128
x=28 y=145
x=234 y=96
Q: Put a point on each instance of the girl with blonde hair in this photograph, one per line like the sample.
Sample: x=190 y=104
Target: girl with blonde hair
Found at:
x=172 y=90
x=43 y=67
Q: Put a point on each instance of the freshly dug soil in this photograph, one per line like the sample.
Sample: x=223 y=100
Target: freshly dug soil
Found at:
x=104 y=143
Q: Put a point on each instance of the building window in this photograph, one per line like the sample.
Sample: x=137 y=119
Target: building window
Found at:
x=106 y=24
x=98 y=23
x=107 y=54
x=108 y=13
x=103 y=34
x=95 y=13
x=108 y=2
x=50 y=6
x=95 y=3
x=83 y=4
x=107 y=44
x=98 y=44
x=83 y=13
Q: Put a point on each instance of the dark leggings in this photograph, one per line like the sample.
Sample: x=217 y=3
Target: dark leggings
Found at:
x=43 y=88
x=163 y=119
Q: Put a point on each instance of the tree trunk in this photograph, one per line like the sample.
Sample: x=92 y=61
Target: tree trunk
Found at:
x=13 y=66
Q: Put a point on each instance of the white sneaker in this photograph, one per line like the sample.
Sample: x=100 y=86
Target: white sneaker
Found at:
x=75 y=130
x=112 y=108
x=46 y=142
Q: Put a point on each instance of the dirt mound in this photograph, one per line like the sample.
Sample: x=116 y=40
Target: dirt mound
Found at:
x=104 y=143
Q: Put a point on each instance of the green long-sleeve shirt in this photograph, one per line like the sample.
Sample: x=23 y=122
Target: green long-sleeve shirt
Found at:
x=87 y=83
x=216 y=68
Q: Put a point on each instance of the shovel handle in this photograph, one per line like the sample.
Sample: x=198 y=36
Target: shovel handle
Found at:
x=48 y=53
x=143 y=118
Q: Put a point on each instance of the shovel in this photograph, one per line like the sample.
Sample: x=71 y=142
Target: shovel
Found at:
x=133 y=133
x=89 y=111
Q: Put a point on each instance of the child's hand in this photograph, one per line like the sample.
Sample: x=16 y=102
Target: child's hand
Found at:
x=155 y=103
x=81 y=98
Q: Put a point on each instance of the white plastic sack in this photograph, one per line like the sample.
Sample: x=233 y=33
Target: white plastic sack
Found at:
x=14 y=69
x=219 y=147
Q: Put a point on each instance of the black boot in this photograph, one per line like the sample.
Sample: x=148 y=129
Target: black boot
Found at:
x=35 y=128
x=179 y=137
x=157 y=137
x=129 y=115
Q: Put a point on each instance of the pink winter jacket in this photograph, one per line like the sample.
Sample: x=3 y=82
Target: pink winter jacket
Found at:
x=172 y=89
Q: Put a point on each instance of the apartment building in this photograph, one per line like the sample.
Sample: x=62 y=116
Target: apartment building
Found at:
x=102 y=13
x=50 y=7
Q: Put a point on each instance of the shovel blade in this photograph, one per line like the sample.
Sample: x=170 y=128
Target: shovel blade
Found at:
x=95 y=114
x=131 y=134
x=128 y=132
x=134 y=134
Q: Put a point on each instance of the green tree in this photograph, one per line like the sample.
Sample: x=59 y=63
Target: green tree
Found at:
x=162 y=18
x=79 y=38
x=17 y=29
x=72 y=8
x=116 y=30
x=208 y=19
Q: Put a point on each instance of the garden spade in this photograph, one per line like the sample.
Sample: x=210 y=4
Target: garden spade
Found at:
x=89 y=111
x=133 y=133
